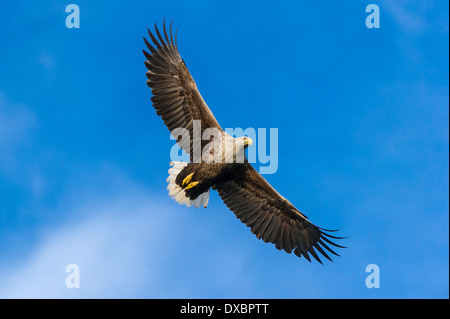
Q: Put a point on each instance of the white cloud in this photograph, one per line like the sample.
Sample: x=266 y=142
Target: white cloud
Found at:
x=127 y=245
x=109 y=247
x=115 y=244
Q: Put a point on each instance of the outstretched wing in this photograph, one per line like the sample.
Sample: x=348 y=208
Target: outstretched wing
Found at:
x=271 y=217
x=175 y=94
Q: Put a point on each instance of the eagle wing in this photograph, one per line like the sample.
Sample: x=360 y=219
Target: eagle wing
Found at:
x=175 y=94
x=271 y=217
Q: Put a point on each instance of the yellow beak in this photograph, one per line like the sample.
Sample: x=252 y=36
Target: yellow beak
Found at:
x=248 y=141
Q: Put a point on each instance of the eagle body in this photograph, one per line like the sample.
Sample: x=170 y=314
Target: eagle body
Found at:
x=220 y=160
x=221 y=165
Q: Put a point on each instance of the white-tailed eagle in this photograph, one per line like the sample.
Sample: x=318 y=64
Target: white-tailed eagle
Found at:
x=252 y=199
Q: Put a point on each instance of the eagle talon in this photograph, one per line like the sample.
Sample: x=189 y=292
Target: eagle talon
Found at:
x=187 y=179
x=191 y=185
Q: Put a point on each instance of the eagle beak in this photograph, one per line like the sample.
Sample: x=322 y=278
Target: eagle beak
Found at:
x=248 y=141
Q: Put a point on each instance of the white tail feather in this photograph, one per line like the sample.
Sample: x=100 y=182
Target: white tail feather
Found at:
x=177 y=193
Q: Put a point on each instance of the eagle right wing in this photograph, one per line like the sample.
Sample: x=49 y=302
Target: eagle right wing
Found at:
x=175 y=94
x=271 y=217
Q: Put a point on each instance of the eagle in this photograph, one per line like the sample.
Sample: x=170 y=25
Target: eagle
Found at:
x=270 y=216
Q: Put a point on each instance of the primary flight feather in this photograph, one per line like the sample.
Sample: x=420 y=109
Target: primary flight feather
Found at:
x=252 y=199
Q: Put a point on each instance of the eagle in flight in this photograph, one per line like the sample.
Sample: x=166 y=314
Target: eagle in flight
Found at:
x=247 y=194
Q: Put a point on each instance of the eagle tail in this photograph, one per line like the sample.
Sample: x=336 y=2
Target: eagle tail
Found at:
x=178 y=193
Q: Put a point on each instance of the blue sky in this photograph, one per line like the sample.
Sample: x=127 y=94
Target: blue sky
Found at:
x=362 y=117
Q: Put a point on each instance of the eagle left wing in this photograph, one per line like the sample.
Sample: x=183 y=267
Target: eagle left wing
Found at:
x=271 y=217
x=175 y=94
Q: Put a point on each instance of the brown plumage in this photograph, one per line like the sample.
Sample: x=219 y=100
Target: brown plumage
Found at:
x=175 y=95
x=253 y=200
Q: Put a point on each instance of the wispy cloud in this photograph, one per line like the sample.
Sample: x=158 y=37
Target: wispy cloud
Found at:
x=127 y=245
x=113 y=248
x=418 y=17
x=16 y=121
x=409 y=15
x=17 y=125
x=46 y=60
